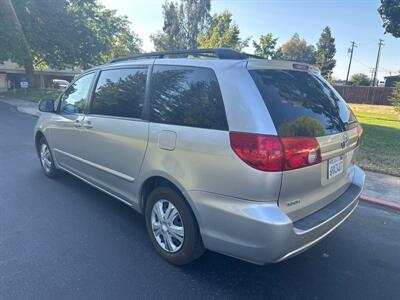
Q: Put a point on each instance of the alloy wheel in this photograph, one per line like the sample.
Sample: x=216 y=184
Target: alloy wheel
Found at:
x=45 y=157
x=167 y=226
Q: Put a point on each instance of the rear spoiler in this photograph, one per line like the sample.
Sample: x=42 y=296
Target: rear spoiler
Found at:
x=256 y=64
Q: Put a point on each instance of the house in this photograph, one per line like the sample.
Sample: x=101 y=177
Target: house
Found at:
x=390 y=81
x=340 y=82
x=11 y=75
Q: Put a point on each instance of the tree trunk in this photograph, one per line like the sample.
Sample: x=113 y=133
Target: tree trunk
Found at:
x=17 y=38
x=28 y=65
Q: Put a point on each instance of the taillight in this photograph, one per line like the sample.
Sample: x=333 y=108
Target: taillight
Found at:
x=262 y=152
x=300 y=152
x=272 y=153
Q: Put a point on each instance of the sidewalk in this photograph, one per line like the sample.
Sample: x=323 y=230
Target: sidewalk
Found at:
x=379 y=188
x=24 y=106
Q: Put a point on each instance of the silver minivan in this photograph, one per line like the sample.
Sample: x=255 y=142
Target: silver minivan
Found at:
x=219 y=150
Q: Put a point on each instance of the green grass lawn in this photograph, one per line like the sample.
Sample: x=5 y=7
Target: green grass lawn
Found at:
x=33 y=94
x=380 y=147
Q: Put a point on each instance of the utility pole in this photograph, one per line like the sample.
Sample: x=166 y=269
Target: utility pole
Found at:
x=372 y=70
x=377 y=61
x=353 y=44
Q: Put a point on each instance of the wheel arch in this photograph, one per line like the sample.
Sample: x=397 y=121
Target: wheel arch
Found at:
x=38 y=135
x=155 y=180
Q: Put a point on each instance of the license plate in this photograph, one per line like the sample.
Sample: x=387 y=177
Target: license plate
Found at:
x=335 y=166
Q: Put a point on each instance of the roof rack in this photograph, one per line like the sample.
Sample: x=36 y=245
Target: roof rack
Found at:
x=221 y=53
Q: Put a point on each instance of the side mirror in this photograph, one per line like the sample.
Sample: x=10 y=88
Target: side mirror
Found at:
x=46 y=105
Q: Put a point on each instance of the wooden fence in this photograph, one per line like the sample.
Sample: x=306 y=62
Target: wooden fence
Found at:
x=365 y=94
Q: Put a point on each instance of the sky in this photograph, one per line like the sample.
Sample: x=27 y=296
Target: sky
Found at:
x=349 y=20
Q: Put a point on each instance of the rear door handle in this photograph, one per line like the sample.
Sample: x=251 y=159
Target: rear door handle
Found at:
x=77 y=124
x=87 y=124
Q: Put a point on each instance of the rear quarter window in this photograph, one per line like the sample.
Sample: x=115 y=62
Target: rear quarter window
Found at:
x=187 y=96
x=302 y=103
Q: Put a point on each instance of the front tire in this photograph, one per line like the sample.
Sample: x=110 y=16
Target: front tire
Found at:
x=172 y=227
x=46 y=159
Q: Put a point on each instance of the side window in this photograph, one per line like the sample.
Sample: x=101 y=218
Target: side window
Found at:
x=187 y=96
x=120 y=93
x=74 y=99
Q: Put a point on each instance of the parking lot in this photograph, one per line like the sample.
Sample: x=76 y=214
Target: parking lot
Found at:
x=64 y=239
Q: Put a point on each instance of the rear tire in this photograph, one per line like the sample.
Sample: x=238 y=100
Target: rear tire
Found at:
x=46 y=159
x=172 y=227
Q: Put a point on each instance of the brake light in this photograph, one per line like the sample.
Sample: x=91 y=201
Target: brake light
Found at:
x=300 y=152
x=272 y=153
x=301 y=67
x=262 y=152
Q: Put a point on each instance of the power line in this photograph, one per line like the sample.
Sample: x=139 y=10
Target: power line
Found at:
x=353 y=44
x=386 y=69
x=366 y=43
x=369 y=67
x=361 y=63
x=377 y=60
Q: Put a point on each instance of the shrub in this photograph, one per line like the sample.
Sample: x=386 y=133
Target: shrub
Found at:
x=33 y=94
x=395 y=97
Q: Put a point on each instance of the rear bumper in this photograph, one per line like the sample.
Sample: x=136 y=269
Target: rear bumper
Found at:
x=262 y=233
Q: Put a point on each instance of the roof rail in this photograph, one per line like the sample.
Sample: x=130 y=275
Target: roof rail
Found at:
x=253 y=56
x=221 y=53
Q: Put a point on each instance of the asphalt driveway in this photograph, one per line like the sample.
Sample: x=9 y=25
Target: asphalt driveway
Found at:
x=65 y=240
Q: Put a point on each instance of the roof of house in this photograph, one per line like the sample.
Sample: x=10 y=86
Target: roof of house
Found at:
x=392 y=76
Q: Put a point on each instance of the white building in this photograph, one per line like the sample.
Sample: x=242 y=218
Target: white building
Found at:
x=11 y=75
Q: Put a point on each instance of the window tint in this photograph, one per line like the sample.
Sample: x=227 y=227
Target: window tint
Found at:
x=187 y=96
x=120 y=93
x=74 y=99
x=302 y=103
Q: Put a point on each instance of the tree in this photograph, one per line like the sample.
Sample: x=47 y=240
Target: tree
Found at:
x=172 y=37
x=182 y=24
x=395 y=97
x=390 y=14
x=326 y=51
x=297 y=49
x=360 y=79
x=266 y=46
x=13 y=42
x=124 y=43
x=60 y=33
x=222 y=33
x=98 y=32
x=302 y=126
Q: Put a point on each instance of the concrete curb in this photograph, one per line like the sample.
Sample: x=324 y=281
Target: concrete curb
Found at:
x=23 y=106
x=384 y=203
x=29 y=111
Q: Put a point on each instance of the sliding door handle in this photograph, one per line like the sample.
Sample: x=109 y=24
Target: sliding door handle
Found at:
x=77 y=124
x=87 y=124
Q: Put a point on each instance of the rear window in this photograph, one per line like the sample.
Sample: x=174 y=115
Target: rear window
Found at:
x=302 y=103
x=187 y=96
